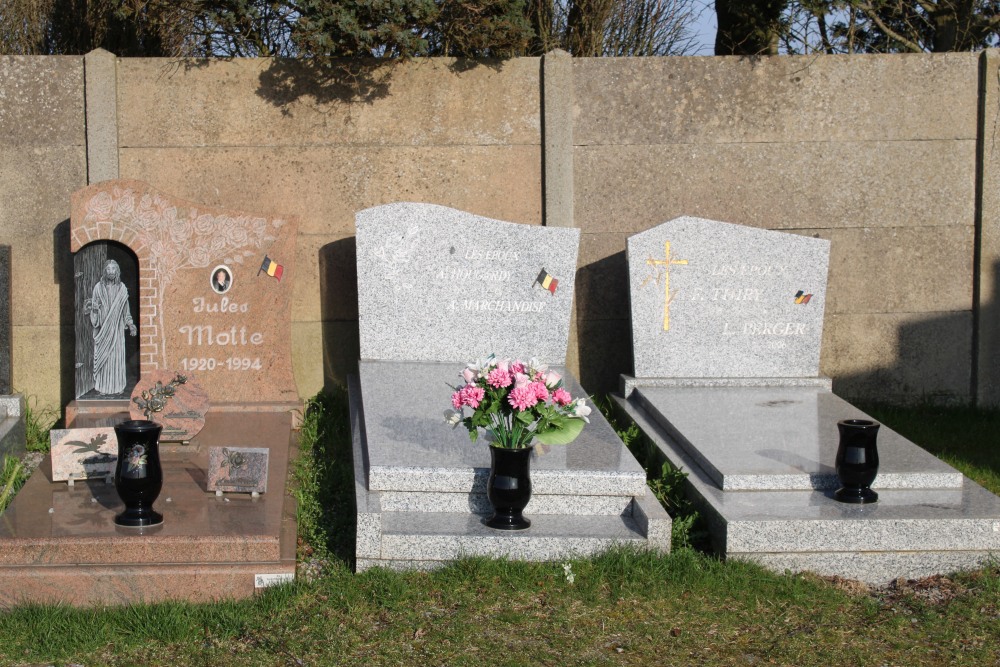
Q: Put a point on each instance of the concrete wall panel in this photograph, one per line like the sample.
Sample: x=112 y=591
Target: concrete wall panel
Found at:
x=899 y=357
x=810 y=99
x=42 y=101
x=262 y=102
x=777 y=186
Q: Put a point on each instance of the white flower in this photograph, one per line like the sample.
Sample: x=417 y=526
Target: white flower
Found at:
x=581 y=410
x=568 y=571
x=551 y=379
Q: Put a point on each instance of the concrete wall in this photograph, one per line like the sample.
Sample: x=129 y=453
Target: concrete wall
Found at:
x=43 y=159
x=890 y=157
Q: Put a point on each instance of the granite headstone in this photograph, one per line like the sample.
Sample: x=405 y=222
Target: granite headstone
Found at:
x=717 y=300
x=6 y=381
x=215 y=287
x=438 y=284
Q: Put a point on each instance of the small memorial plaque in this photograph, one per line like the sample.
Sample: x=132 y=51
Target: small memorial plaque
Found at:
x=238 y=469
x=438 y=284
x=83 y=453
x=182 y=414
x=713 y=299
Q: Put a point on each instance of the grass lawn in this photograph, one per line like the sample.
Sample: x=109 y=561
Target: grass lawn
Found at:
x=623 y=608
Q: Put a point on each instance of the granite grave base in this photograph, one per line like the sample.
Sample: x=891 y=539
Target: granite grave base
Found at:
x=12 y=426
x=420 y=484
x=760 y=465
x=58 y=544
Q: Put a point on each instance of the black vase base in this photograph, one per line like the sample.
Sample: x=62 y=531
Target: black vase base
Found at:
x=856 y=496
x=508 y=522
x=138 y=519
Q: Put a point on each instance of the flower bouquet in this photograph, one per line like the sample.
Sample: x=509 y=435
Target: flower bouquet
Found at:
x=517 y=402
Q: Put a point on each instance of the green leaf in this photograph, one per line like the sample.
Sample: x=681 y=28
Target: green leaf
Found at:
x=562 y=435
x=525 y=417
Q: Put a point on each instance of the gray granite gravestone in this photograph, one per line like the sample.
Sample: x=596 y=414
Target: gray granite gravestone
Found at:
x=713 y=299
x=439 y=284
x=439 y=288
x=12 y=406
x=727 y=323
x=6 y=381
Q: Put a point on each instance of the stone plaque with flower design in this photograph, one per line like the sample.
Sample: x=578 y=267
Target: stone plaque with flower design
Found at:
x=238 y=469
x=83 y=453
x=215 y=287
x=171 y=399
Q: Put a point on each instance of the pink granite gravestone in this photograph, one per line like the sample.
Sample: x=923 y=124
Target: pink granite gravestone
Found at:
x=215 y=287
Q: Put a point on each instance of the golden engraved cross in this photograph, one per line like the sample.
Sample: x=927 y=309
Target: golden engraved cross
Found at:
x=665 y=263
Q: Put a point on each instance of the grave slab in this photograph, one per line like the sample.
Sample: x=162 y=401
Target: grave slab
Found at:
x=713 y=299
x=439 y=288
x=60 y=545
x=908 y=533
x=726 y=385
x=749 y=438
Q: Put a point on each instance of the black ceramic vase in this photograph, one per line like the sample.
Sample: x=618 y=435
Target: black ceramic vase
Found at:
x=509 y=487
x=857 y=461
x=138 y=474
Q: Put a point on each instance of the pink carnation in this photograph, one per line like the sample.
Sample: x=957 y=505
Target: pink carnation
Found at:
x=472 y=395
x=561 y=396
x=517 y=367
x=499 y=377
x=541 y=393
x=522 y=397
x=456 y=400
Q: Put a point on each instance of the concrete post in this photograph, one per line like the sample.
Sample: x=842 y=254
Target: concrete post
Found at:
x=557 y=138
x=986 y=276
x=101 y=94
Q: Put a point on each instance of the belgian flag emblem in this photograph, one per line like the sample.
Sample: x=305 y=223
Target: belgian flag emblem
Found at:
x=801 y=298
x=547 y=281
x=271 y=268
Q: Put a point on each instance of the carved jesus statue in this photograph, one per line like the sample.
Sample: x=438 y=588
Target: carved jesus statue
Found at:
x=110 y=316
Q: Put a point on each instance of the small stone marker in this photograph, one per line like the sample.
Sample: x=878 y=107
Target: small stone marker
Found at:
x=215 y=287
x=717 y=300
x=6 y=381
x=438 y=284
x=183 y=415
x=238 y=469
x=83 y=453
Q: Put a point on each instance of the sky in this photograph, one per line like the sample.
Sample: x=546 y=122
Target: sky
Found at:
x=703 y=28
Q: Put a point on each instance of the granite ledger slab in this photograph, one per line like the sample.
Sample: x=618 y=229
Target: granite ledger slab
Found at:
x=712 y=299
x=781 y=438
x=438 y=284
x=412 y=448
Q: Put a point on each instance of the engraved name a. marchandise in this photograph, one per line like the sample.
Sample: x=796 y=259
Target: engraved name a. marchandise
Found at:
x=501 y=306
